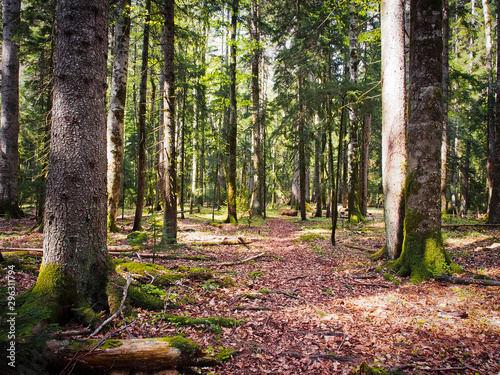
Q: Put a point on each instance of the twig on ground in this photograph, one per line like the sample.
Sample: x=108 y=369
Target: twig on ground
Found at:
x=122 y=304
x=242 y=261
x=359 y=248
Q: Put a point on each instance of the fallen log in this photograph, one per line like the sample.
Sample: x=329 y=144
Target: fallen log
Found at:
x=239 y=241
x=289 y=212
x=242 y=261
x=468 y=281
x=141 y=354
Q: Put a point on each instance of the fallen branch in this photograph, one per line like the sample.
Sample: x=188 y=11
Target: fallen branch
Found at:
x=242 y=261
x=468 y=281
x=122 y=304
x=469 y=225
x=359 y=248
x=140 y=354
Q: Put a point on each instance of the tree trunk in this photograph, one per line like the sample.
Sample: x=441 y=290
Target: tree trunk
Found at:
x=491 y=98
x=183 y=150
x=9 y=134
x=335 y=188
x=139 y=354
x=494 y=209
x=194 y=162
x=318 y=163
x=446 y=79
x=393 y=123
x=355 y=214
x=75 y=268
x=116 y=113
x=423 y=253
x=257 y=191
x=233 y=126
x=170 y=213
x=363 y=181
x=141 y=181
x=464 y=201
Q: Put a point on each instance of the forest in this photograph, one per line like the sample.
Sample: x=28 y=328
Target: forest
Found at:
x=250 y=187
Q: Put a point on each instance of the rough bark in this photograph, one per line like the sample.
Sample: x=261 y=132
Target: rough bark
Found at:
x=75 y=268
x=116 y=112
x=365 y=159
x=423 y=253
x=446 y=79
x=141 y=167
x=464 y=199
x=233 y=126
x=393 y=123
x=318 y=162
x=139 y=354
x=336 y=184
x=170 y=213
x=9 y=133
x=494 y=207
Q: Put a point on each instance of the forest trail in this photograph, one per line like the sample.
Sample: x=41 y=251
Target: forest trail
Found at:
x=306 y=307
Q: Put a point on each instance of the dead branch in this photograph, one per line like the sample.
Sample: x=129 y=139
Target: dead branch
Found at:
x=469 y=225
x=122 y=304
x=359 y=248
x=239 y=241
x=468 y=281
x=242 y=261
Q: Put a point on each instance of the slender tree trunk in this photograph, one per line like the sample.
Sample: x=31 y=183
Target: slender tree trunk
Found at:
x=317 y=170
x=183 y=150
x=491 y=97
x=233 y=126
x=141 y=181
x=170 y=213
x=116 y=112
x=355 y=214
x=335 y=188
x=464 y=201
x=423 y=253
x=393 y=123
x=494 y=209
x=446 y=79
x=161 y=154
x=194 y=161
x=75 y=261
x=9 y=134
x=363 y=181
x=257 y=198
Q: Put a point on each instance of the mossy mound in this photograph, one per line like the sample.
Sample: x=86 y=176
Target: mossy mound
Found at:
x=161 y=275
x=310 y=237
x=137 y=238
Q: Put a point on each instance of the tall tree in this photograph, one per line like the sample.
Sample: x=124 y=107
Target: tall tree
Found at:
x=446 y=80
x=393 y=123
x=233 y=125
x=141 y=182
x=75 y=262
x=494 y=208
x=355 y=214
x=258 y=206
x=9 y=133
x=170 y=212
x=423 y=253
x=116 y=112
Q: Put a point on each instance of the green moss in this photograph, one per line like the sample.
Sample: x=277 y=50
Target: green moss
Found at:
x=187 y=321
x=364 y=369
x=310 y=237
x=390 y=277
x=378 y=269
x=114 y=292
x=163 y=276
x=224 y=355
x=185 y=345
x=137 y=238
x=255 y=274
x=81 y=345
x=381 y=254
x=264 y=291
x=144 y=300
x=199 y=274
x=110 y=344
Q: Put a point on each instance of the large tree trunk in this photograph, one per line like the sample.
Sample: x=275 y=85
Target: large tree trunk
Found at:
x=233 y=126
x=75 y=268
x=141 y=181
x=9 y=134
x=116 y=113
x=393 y=123
x=494 y=209
x=423 y=253
x=170 y=213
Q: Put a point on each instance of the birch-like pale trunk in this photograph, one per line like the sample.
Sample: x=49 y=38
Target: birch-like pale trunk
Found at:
x=116 y=112
x=393 y=123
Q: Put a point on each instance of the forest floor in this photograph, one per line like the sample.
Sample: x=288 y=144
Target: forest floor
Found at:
x=305 y=307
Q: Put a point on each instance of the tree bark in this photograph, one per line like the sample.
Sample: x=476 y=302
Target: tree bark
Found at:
x=233 y=125
x=116 y=113
x=139 y=354
x=423 y=253
x=9 y=134
x=494 y=207
x=446 y=82
x=355 y=214
x=393 y=123
x=257 y=199
x=170 y=213
x=141 y=180
x=75 y=268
